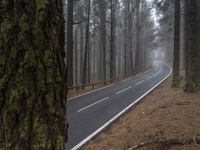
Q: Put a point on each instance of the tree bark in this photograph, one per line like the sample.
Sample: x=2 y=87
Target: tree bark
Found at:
x=32 y=75
x=176 y=63
x=86 y=56
x=187 y=54
x=137 y=64
x=76 y=57
x=130 y=37
x=102 y=7
x=81 y=49
x=112 y=39
x=193 y=80
x=126 y=37
x=70 y=41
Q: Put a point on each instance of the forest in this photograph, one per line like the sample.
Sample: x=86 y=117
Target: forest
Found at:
x=51 y=48
x=111 y=39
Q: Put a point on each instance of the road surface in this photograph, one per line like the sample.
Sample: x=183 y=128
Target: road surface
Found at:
x=89 y=114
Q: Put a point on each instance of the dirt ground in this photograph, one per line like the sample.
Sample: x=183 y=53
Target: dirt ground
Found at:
x=165 y=115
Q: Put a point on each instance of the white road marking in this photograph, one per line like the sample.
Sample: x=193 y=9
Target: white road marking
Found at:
x=101 y=88
x=140 y=82
x=149 y=78
x=155 y=75
x=124 y=90
x=92 y=104
x=91 y=92
x=158 y=72
x=118 y=115
x=148 y=70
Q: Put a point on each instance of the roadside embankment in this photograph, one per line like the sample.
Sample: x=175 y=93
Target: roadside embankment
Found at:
x=167 y=119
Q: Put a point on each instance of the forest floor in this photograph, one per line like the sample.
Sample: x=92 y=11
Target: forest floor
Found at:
x=166 y=119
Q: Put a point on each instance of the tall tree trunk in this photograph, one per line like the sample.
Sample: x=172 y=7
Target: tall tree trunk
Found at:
x=175 y=82
x=32 y=75
x=186 y=46
x=89 y=64
x=144 y=58
x=193 y=80
x=81 y=51
x=137 y=64
x=76 y=57
x=113 y=39
x=126 y=37
x=70 y=41
x=86 y=45
x=102 y=7
x=130 y=37
x=182 y=36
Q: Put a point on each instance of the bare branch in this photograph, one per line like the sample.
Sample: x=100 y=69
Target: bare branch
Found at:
x=79 y=22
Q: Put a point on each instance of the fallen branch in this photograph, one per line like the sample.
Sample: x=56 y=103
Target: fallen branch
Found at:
x=168 y=142
x=197 y=136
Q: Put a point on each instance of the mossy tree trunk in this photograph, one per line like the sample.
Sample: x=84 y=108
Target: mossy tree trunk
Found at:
x=32 y=75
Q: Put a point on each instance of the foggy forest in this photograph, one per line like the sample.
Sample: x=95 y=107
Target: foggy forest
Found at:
x=99 y=74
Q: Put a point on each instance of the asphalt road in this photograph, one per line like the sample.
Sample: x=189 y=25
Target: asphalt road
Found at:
x=89 y=114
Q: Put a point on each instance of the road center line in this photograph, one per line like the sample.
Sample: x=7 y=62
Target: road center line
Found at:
x=106 y=124
x=140 y=82
x=149 y=77
x=155 y=75
x=93 y=104
x=124 y=90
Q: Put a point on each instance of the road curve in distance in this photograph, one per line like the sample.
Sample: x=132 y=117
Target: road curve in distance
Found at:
x=90 y=113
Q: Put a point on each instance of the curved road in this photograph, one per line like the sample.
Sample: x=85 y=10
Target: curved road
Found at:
x=89 y=114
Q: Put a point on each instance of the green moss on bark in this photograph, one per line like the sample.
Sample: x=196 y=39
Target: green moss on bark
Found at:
x=32 y=75
x=6 y=29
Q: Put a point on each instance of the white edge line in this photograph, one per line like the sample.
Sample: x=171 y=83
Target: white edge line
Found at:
x=90 y=92
x=149 y=78
x=123 y=90
x=118 y=115
x=93 y=104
